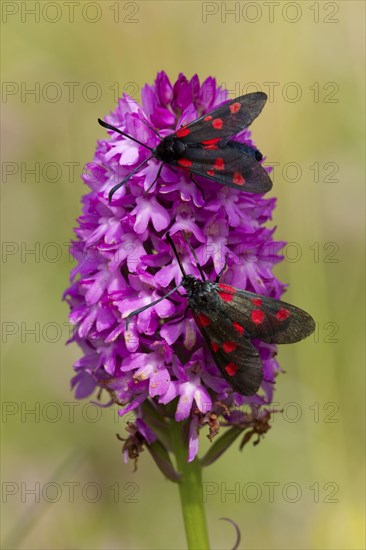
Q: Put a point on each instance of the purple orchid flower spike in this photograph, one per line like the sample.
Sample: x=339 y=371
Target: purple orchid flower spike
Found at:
x=159 y=366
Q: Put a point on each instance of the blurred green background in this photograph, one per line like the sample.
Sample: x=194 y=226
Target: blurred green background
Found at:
x=303 y=486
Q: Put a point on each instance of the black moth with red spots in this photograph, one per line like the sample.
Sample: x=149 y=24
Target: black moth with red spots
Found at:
x=229 y=318
x=202 y=147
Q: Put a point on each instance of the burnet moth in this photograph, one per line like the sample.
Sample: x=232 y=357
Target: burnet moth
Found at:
x=203 y=147
x=229 y=318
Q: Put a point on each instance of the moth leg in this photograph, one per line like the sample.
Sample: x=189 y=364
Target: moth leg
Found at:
x=152 y=128
x=155 y=180
x=181 y=318
x=223 y=269
x=198 y=187
x=125 y=180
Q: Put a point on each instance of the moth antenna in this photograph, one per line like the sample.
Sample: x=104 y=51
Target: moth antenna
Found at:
x=194 y=256
x=224 y=268
x=137 y=311
x=110 y=127
x=170 y=241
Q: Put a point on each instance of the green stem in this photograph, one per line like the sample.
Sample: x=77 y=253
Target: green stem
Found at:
x=190 y=489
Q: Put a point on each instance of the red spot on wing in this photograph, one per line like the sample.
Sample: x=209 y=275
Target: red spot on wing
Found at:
x=219 y=164
x=257 y=316
x=226 y=296
x=234 y=107
x=207 y=118
x=282 y=314
x=229 y=346
x=182 y=132
x=212 y=141
x=226 y=292
x=228 y=288
x=257 y=302
x=231 y=368
x=186 y=163
x=210 y=172
x=214 y=346
x=238 y=327
x=202 y=320
x=238 y=178
x=217 y=123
